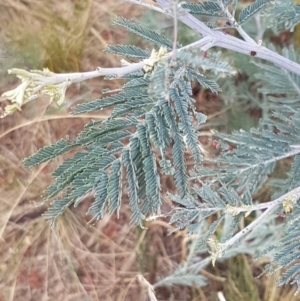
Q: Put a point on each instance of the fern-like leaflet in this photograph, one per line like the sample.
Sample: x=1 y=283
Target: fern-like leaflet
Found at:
x=153 y=111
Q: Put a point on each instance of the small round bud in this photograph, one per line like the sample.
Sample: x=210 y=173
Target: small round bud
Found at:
x=215 y=144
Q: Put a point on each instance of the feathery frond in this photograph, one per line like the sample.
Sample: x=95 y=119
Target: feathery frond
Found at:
x=252 y=9
x=206 y=8
x=144 y=32
x=284 y=15
x=128 y=51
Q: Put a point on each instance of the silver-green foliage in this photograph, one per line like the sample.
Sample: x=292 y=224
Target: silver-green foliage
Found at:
x=252 y=9
x=217 y=9
x=285 y=14
x=154 y=122
x=143 y=114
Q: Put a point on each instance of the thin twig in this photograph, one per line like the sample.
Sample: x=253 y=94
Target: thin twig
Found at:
x=140 y=2
x=237 y=26
x=272 y=205
x=175 y=34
